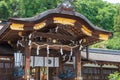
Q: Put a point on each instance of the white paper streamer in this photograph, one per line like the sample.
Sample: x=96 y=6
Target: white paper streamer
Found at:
x=29 y=43
x=19 y=43
x=80 y=48
x=61 y=51
x=38 y=48
x=48 y=52
x=71 y=53
x=56 y=29
x=80 y=41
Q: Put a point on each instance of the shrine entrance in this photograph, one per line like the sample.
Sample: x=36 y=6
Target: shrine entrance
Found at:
x=51 y=40
x=49 y=64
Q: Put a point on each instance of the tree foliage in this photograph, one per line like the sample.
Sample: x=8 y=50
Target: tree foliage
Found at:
x=114 y=76
x=4 y=11
x=25 y=8
x=117 y=21
x=30 y=8
x=114 y=43
x=98 y=12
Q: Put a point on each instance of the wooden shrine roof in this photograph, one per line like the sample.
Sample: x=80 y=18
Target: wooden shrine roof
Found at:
x=61 y=23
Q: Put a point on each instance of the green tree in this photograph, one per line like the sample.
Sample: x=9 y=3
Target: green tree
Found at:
x=13 y=7
x=25 y=8
x=114 y=43
x=29 y=8
x=117 y=22
x=98 y=12
x=4 y=12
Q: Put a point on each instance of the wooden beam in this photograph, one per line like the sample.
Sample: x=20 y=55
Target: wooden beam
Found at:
x=53 y=36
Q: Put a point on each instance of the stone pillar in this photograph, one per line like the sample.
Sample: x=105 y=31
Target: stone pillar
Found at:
x=27 y=62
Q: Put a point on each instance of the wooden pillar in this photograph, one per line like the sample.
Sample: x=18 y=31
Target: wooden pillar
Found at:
x=27 y=62
x=118 y=68
x=101 y=72
x=78 y=64
x=87 y=52
x=38 y=73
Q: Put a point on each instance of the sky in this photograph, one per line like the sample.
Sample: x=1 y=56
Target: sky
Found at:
x=113 y=1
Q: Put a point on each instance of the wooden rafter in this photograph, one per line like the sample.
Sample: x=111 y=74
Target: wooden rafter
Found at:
x=53 y=36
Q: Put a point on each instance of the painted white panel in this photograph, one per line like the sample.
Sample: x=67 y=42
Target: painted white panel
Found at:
x=44 y=61
x=39 y=61
x=56 y=62
x=49 y=61
x=18 y=59
x=31 y=61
